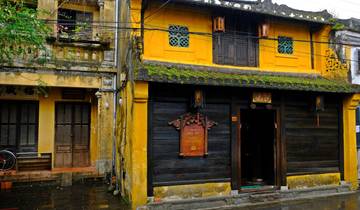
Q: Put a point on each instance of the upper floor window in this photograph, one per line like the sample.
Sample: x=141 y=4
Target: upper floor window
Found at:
x=285 y=45
x=178 y=36
x=75 y=24
x=238 y=45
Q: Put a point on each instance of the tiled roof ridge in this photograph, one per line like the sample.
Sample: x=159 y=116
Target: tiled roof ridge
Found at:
x=269 y=8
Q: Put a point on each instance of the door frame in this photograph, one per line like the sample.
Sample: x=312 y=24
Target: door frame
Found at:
x=236 y=159
x=72 y=139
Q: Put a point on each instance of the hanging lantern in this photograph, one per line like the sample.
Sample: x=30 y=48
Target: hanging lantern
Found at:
x=198 y=98
x=319 y=107
x=219 y=24
x=264 y=29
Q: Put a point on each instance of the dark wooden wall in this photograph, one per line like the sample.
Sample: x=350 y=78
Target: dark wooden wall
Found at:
x=311 y=149
x=305 y=149
x=170 y=169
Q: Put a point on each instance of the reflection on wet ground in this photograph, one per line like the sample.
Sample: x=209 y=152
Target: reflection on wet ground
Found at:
x=95 y=196
x=344 y=202
x=76 y=197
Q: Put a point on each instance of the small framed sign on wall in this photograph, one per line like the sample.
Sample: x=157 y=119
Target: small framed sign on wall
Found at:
x=193 y=134
x=262 y=98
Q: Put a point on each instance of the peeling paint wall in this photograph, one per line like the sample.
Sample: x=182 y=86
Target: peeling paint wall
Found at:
x=191 y=191
x=314 y=180
x=101 y=120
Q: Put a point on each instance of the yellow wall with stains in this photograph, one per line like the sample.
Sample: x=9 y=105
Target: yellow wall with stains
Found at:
x=200 y=50
x=313 y=180
x=46 y=125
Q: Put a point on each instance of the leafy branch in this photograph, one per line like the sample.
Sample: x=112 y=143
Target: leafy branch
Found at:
x=21 y=33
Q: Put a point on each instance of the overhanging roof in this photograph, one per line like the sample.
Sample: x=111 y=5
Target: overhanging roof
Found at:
x=266 y=7
x=183 y=74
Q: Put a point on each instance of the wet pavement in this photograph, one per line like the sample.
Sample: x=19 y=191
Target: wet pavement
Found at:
x=343 y=202
x=95 y=196
x=76 y=197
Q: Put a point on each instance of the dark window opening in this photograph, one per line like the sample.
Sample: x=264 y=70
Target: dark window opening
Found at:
x=74 y=24
x=19 y=125
x=239 y=44
x=285 y=45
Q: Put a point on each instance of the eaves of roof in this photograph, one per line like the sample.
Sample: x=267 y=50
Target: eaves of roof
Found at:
x=267 y=7
x=183 y=74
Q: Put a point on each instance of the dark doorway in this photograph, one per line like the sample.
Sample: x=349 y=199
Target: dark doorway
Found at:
x=72 y=135
x=257 y=148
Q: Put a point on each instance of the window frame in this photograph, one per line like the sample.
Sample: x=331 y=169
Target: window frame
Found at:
x=180 y=35
x=19 y=123
x=285 y=39
x=66 y=27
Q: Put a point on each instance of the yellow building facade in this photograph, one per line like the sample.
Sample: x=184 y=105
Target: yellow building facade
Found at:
x=178 y=49
x=60 y=113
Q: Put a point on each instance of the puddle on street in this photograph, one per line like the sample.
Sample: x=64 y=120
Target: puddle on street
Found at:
x=76 y=197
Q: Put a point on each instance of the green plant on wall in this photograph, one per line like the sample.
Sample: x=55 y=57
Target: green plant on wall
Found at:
x=21 y=33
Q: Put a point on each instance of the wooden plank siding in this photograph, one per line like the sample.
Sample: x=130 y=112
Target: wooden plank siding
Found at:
x=168 y=167
x=304 y=147
x=311 y=149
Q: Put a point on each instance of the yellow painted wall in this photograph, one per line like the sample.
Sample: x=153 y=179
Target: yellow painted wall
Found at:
x=138 y=145
x=51 y=79
x=134 y=146
x=100 y=127
x=156 y=43
x=46 y=132
x=299 y=61
x=350 y=152
x=191 y=191
x=312 y=180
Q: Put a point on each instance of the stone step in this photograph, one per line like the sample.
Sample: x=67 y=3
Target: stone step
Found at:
x=246 y=199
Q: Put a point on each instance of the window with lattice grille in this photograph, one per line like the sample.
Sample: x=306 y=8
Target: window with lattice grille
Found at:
x=178 y=36
x=285 y=45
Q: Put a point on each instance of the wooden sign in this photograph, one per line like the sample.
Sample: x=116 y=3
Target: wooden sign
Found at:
x=193 y=134
x=262 y=98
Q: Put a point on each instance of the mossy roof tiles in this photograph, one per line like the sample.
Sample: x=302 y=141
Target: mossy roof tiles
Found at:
x=189 y=75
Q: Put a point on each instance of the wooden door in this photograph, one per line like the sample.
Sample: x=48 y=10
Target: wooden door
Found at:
x=72 y=134
x=81 y=130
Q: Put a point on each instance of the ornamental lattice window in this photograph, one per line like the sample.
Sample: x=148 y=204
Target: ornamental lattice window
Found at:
x=285 y=45
x=178 y=36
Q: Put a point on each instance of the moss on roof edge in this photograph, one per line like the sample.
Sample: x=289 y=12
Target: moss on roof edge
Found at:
x=173 y=74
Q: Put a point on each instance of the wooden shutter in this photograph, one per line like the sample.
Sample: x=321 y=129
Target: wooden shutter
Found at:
x=237 y=46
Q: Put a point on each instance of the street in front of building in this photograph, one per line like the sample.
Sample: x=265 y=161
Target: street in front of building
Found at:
x=95 y=196
x=76 y=197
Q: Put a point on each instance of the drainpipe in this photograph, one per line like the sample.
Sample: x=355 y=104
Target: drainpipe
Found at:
x=114 y=168
x=117 y=63
x=117 y=7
